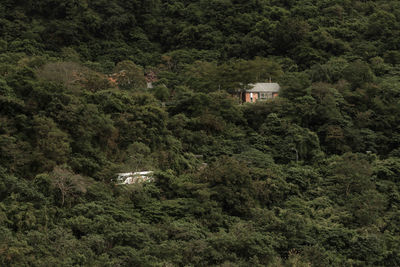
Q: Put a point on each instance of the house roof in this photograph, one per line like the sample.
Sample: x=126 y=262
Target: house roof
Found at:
x=264 y=87
x=125 y=174
x=134 y=177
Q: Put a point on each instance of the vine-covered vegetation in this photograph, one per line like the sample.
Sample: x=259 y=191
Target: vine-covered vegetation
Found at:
x=311 y=178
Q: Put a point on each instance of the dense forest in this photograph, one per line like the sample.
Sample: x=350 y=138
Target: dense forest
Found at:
x=310 y=178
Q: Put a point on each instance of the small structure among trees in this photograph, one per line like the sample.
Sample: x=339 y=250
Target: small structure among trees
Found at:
x=260 y=91
x=135 y=177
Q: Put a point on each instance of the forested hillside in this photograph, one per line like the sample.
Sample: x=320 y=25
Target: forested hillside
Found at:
x=310 y=178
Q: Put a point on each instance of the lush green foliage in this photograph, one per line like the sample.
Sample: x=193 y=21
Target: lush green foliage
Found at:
x=311 y=178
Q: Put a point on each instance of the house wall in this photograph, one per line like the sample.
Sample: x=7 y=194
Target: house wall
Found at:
x=248 y=98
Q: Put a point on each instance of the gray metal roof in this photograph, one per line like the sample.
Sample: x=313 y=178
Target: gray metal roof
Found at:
x=264 y=87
